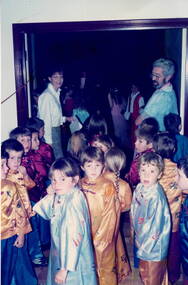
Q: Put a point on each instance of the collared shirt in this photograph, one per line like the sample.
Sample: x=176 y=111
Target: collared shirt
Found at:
x=162 y=102
x=49 y=110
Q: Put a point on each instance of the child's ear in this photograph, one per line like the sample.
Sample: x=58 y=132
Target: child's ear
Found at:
x=149 y=145
x=82 y=168
x=76 y=179
x=159 y=176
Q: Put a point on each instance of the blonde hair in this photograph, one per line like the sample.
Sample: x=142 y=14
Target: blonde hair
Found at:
x=115 y=161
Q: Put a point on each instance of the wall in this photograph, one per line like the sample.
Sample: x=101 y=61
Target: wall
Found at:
x=27 y=11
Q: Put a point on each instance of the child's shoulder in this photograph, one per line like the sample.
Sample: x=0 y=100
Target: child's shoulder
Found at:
x=45 y=146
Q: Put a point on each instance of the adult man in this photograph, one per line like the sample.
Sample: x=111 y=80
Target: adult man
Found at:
x=163 y=101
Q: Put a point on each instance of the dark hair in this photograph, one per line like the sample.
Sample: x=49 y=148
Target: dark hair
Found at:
x=91 y=153
x=11 y=144
x=32 y=130
x=165 y=144
x=146 y=134
x=152 y=158
x=67 y=165
x=172 y=123
x=4 y=154
x=97 y=125
x=19 y=131
x=183 y=164
x=150 y=124
x=54 y=69
x=34 y=123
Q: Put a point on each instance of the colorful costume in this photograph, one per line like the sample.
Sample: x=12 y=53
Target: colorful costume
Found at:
x=162 y=102
x=69 y=218
x=15 y=262
x=102 y=201
x=151 y=223
x=125 y=197
x=47 y=154
x=174 y=197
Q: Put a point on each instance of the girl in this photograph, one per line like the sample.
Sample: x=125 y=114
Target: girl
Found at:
x=71 y=255
x=115 y=161
x=77 y=143
x=104 y=142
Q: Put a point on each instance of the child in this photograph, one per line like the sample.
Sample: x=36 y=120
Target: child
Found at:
x=101 y=197
x=182 y=181
x=151 y=220
x=71 y=255
x=18 y=173
x=14 y=225
x=114 y=162
x=104 y=142
x=173 y=125
x=150 y=124
x=165 y=145
x=143 y=144
x=44 y=149
x=77 y=143
x=23 y=135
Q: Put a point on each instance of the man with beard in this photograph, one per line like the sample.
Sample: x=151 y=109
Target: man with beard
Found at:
x=163 y=100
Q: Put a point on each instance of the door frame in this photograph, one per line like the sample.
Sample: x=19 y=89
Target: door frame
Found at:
x=115 y=25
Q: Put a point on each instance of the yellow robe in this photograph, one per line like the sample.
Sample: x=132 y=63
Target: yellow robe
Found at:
x=14 y=219
x=22 y=187
x=101 y=197
x=125 y=197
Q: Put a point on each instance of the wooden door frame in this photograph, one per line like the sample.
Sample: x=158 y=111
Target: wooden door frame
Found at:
x=116 y=25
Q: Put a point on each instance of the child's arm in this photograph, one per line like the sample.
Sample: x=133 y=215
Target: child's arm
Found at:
x=125 y=197
x=29 y=183
x=19 y=242
x=61 y=276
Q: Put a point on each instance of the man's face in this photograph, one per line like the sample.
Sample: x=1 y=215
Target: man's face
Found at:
x=158 y=78
x=56 y=80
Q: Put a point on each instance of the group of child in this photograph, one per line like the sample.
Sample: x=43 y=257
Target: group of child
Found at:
x=83 y=201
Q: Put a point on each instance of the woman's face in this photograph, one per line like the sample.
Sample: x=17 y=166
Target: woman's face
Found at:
x=56 y=80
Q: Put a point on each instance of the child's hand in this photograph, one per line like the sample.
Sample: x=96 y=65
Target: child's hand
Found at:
x=50 y=190
x=19 y=242
x=23 y=171
x=61 y=276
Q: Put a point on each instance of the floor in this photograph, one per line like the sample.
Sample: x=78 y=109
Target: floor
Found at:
x=132 y=279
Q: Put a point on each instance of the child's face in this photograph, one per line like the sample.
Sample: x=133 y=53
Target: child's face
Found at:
x=56 y=80
x=26 y=142
x=4 y=168
x=182 y=180
x=149 y=174
x=141 y=144
x=35 y=141
x=76 y=143
x=14 y=160
x=41 y=132
x=93 y=169
x=100 y=145
x=62 y=183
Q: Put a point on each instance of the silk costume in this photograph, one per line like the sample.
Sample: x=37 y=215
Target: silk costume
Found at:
x=69 y=220
x=151 y=222
x=102 y=201
x=174 y=197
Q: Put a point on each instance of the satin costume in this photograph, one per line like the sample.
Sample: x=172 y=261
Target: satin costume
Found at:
x=125 y=197
x=15 y=262
x=174 y=197
x=102 y=201
x=184 y=237
x=151 y=222
x=69 y=220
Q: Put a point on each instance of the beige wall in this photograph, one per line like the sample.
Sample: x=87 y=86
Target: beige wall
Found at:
x=27 y=11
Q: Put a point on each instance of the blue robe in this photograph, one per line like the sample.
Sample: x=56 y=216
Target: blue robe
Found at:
x=69 y=220
x=151 y=222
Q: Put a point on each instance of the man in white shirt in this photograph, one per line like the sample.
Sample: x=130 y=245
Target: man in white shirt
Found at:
x=49 y=110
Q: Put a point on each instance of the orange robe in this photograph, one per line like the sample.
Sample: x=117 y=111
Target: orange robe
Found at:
x=101 y=197
x=125 y=197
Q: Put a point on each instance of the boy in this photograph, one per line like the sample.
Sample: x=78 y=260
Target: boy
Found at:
x=165 y=145
x=23 y=135
x=101 y=197
x=182 y=181
x=173 y=125
x=151 y=220
x=143 y=144
x=14 y=225
x=44 y=149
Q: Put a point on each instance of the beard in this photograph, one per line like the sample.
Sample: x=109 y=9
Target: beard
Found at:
x=158 y=85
